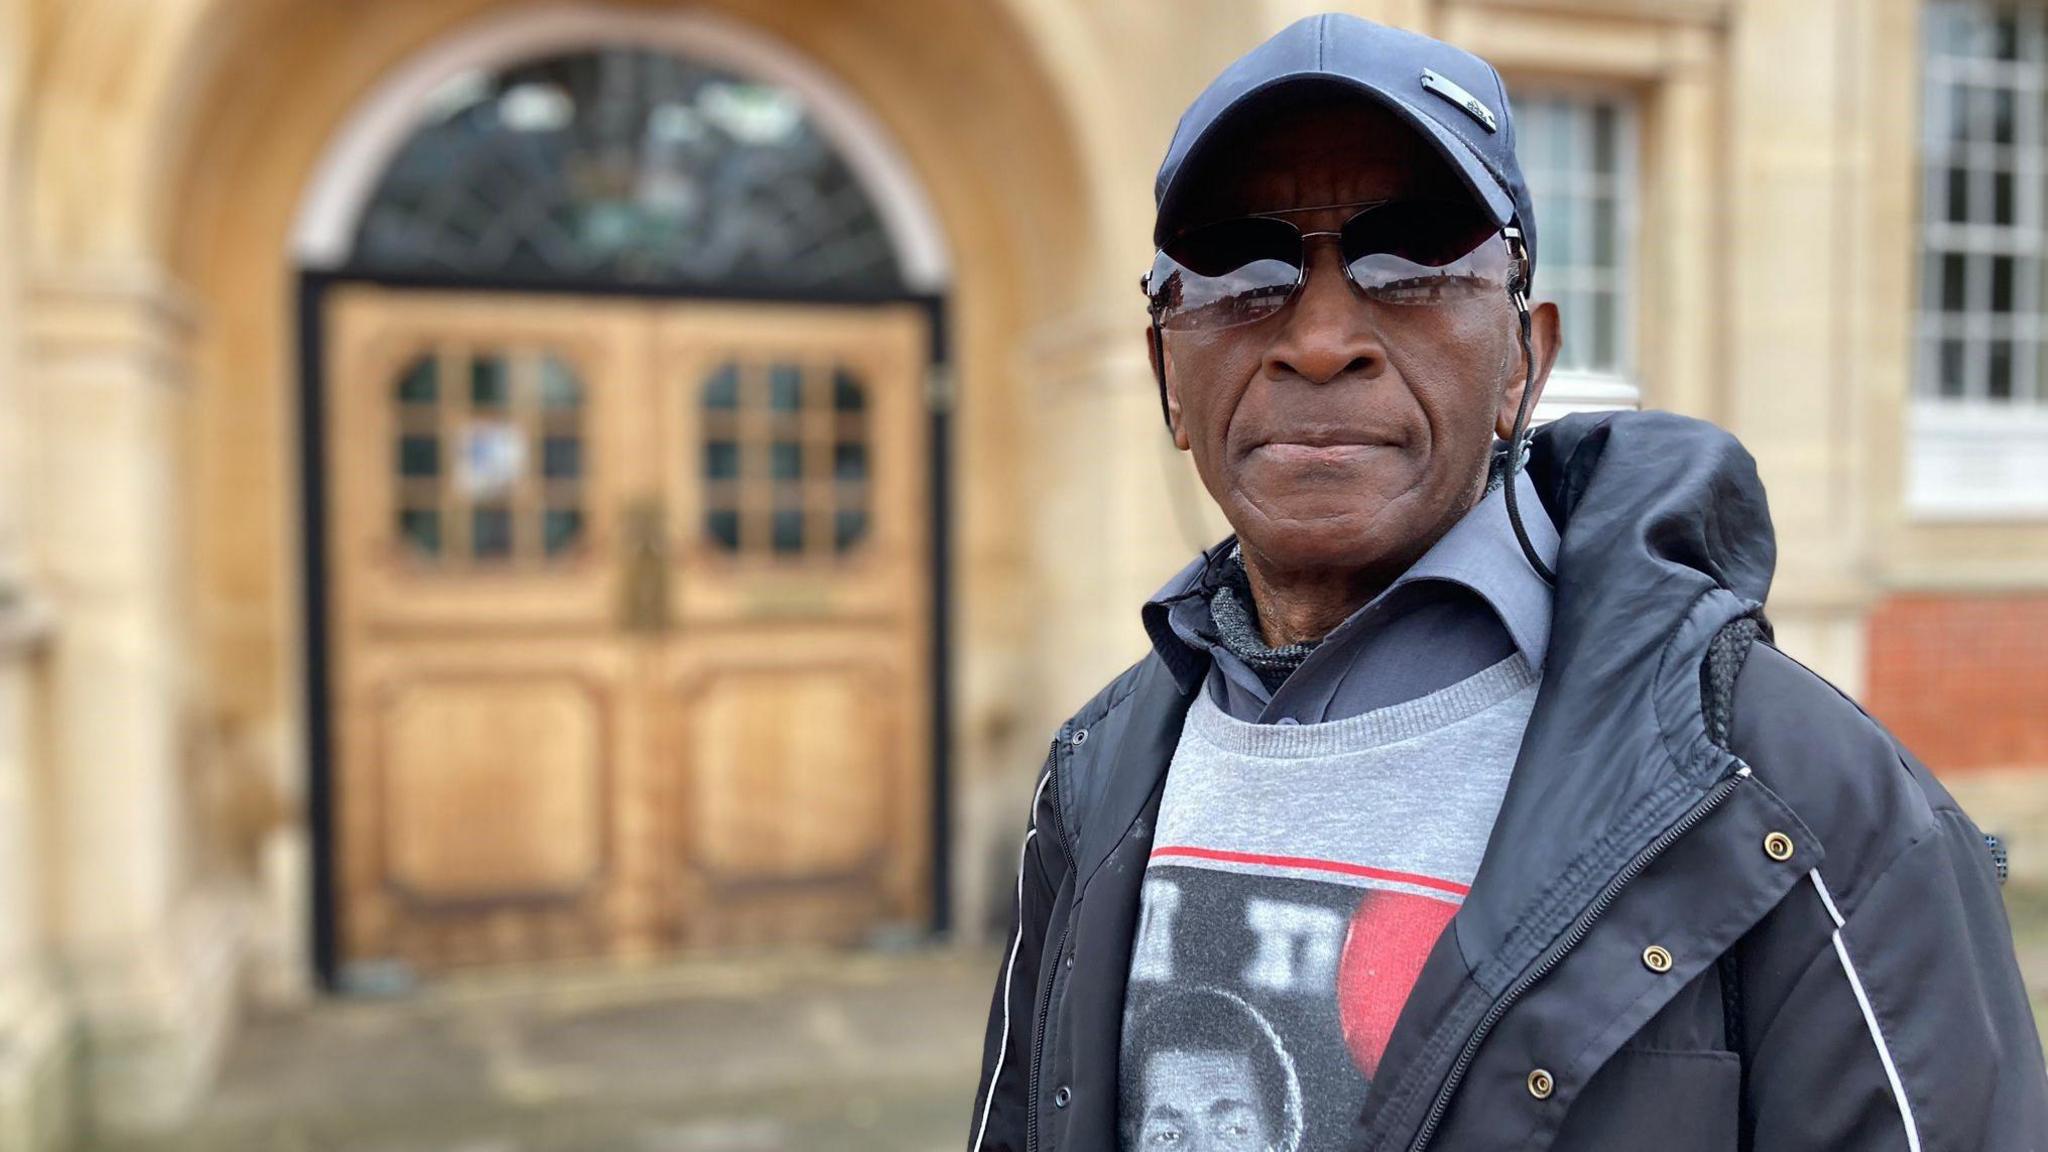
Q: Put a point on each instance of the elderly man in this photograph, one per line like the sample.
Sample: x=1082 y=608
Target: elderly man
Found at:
x=1465 y=764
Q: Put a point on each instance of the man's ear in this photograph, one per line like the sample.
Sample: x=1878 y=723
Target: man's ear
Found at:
x=1157 y=355
x=1545 y=337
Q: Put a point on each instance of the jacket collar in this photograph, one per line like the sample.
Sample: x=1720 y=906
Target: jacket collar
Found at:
x=1478 y=553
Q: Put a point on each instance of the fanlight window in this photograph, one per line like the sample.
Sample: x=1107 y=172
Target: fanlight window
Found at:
x=625 y=166
x=488 y=459
x=785 y=459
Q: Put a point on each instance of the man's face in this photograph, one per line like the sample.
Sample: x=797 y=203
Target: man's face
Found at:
x=1202 y=1102
x=1340 y=433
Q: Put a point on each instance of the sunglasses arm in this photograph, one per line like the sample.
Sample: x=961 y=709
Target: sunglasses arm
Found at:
x=1158 y=350
x=1158 y=359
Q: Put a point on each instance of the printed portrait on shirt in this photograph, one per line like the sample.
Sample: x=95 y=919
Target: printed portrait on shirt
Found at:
x=1255 y=984
x=1214 y=1077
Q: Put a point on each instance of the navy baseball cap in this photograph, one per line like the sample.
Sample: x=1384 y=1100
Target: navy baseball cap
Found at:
x=1452 y=98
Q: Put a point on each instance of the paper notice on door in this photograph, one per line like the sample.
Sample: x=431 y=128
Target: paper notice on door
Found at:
x=492 y=458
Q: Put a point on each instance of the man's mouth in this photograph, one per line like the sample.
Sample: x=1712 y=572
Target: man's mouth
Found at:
x=1315 y=451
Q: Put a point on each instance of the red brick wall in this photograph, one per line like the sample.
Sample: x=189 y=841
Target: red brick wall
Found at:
x=1963 y=680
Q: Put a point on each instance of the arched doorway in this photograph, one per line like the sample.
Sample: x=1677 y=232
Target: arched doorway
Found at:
x=620 y=510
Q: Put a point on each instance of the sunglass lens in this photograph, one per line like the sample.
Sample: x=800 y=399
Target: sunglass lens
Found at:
x=1421 y=231
x=1224 y=274
x=1425 y=253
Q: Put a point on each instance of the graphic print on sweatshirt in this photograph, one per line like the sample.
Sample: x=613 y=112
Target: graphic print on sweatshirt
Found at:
x=1260 y=999
x=1299 y=877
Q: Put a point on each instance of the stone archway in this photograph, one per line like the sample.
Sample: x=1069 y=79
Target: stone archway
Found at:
x=172 y=147
x=1000 y=178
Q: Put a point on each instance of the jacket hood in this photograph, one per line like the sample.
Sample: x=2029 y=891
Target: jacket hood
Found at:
x=1642 y=495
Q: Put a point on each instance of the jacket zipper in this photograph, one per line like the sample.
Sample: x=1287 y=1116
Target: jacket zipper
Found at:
x=1578 y=932
x=1059 y=823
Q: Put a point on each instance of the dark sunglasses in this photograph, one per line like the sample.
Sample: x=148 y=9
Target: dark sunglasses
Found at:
x=1414 y=253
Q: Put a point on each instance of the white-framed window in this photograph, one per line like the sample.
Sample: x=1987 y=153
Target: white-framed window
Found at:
x=1578 y=150
x=1980 y=381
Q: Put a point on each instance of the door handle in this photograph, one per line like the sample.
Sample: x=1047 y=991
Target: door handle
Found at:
x=645 y=578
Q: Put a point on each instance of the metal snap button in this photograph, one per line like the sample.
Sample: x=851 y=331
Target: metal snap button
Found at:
x=1778 y=846
x=1061 y=1097
x=1540 y=1084
x=1079 y=737
x=1657 y=958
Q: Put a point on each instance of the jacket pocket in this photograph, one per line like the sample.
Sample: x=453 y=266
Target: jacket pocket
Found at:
x=1667 y=1099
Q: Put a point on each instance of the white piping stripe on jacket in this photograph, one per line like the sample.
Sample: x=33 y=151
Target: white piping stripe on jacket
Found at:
x=1010 y=967
x=1884 y=1053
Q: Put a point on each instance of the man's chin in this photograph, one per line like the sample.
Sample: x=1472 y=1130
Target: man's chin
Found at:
x=1312 y=538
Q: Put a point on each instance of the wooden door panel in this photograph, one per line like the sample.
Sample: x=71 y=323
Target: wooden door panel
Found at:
x=481 y=807
x=784 y=787
x=798 y=817
x=493 y=785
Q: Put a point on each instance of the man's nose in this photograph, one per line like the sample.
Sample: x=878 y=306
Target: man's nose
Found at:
x=1328 y=331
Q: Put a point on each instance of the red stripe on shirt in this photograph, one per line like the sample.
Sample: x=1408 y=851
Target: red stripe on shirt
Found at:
x=1310 y=862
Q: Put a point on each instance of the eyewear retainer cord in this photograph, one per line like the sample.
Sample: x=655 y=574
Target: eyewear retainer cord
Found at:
x=1518 y=448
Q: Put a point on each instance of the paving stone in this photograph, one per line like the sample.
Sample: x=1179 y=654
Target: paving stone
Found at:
x=863 y=1052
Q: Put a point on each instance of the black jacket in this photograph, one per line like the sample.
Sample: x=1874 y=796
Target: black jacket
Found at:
x=1841 y=971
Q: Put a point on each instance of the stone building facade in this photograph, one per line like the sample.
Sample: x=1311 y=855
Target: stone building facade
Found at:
x=358 y=620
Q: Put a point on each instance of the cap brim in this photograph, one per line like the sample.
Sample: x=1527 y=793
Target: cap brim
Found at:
x=1459 y=155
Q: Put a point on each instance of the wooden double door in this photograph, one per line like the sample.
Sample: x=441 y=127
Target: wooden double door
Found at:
x=628 y=610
